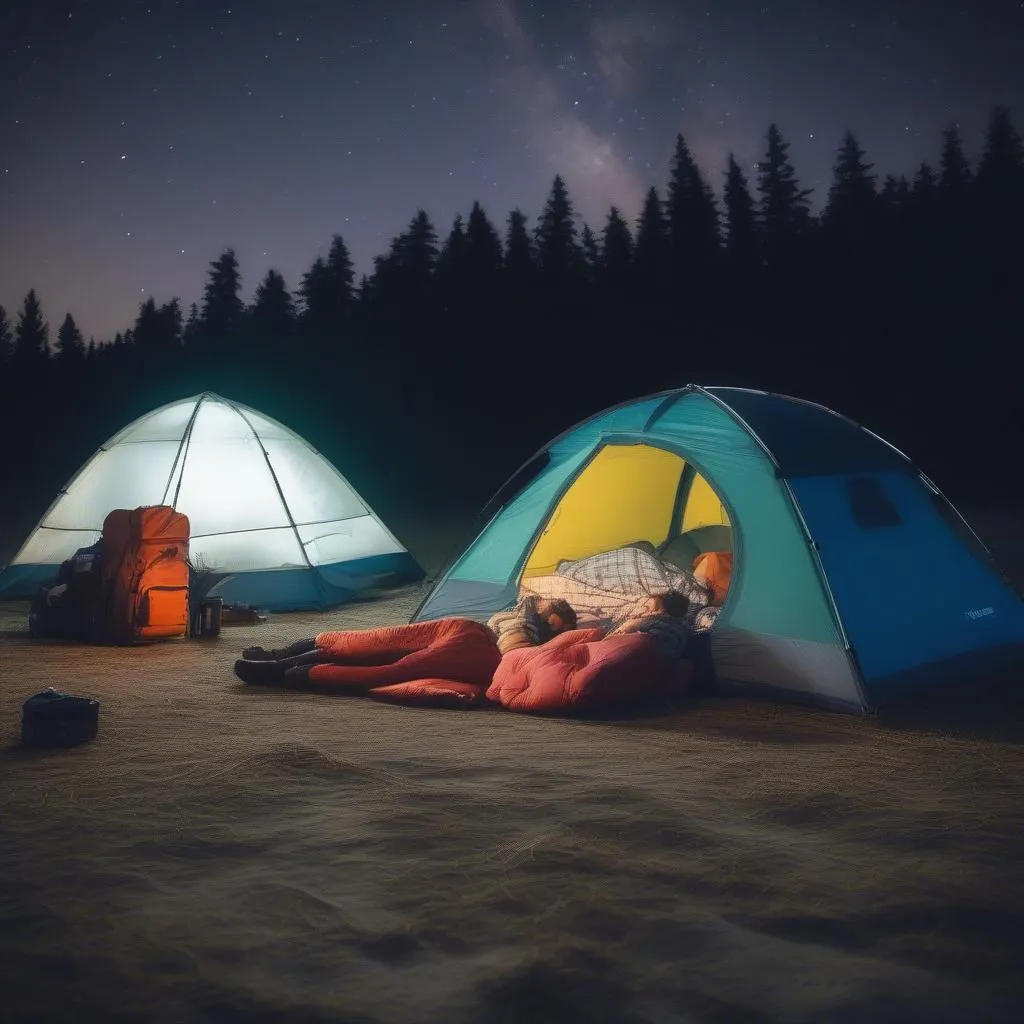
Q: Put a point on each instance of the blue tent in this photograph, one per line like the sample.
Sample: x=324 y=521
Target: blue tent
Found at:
x=854 y=581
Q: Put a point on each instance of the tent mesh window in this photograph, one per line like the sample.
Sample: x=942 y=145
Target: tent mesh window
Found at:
x=871 y=507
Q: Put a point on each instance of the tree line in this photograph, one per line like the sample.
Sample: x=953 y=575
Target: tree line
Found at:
x=456 y=356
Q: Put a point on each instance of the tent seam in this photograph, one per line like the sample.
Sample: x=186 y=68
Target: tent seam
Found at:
x=182 y=452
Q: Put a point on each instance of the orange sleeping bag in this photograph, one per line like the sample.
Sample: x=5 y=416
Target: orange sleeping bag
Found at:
x=441 y=651
x=144 y=575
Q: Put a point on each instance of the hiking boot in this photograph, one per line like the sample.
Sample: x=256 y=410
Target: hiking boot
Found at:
x=297 y=677
x=259 y=654
x=279 y=653
x=258 y=673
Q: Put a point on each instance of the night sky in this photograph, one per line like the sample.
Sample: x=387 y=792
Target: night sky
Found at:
x=143 y=137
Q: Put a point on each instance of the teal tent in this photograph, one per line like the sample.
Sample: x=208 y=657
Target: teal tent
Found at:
x=854 y=580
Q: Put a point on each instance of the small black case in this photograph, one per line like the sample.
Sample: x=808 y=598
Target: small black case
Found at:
x=56 y=719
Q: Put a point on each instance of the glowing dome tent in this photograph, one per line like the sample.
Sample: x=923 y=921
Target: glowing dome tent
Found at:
x=266 y=509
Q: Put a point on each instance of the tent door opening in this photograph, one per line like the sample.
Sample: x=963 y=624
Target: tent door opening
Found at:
x=640 y=495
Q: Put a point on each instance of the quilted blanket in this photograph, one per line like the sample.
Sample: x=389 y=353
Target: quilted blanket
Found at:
x=602 y=588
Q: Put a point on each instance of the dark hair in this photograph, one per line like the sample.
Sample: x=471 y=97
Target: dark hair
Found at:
x=564 y=611
x=675 y=603
x=555 y=606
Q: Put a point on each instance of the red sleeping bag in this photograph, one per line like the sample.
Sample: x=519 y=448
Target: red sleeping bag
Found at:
x=434 y=693
x=444 y=661
x=455 y=663
x=579 y=671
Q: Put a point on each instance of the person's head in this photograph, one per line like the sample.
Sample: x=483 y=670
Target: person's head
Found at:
x=556 y=616
x=669 y=602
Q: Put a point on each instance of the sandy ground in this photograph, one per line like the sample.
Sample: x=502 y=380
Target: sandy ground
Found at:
x=227 y=853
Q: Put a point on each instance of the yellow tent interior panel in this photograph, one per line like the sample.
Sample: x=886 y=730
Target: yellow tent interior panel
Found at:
x=627 y=493
x=703 y=507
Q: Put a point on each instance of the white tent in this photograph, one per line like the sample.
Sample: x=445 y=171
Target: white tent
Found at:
x=264 y=507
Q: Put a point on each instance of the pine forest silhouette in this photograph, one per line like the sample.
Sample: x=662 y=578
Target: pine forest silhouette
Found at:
x=439 y=372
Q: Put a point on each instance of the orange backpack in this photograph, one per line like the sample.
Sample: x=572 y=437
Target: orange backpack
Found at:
x=145 y=574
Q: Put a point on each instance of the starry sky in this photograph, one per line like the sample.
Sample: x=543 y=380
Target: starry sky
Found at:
x=140 y=138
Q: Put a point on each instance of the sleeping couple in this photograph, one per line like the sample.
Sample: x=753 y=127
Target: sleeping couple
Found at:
x=601 y=631
x=532 y=657
x=533 y=621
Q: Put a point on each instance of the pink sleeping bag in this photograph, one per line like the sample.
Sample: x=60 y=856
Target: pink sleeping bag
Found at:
x=579 y=671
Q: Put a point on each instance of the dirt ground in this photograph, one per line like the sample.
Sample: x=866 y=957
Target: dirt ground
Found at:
x=224 y=852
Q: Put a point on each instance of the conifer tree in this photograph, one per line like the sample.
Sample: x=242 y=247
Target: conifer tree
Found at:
x=6 y=337
x=1000 y=189
x=925 y=183
x=895 y=190
x=590 y=253
x=340 y=277
x=1001 y=168
x=158 y=329
x=314 y=291
x=691 y=216
x=411 y=257
x=483 y=263
x=70 y=345
x=849 y=214
x=32 y=333
x=273 y=310
x=892 y=240
x=327 y=292
x=520 y=261
x=223 y=310
x=954 y=170
x=147 y=326
x=419 y=247
x=923 y=201
x=452 y=274
x=954 y=222
x=616 y=251
x=784 y=208
x=483 y=246
x=740 y=217
x=193 y=326
x=171 y=323
x=650 y=256
x=558 y=251
x=451 y=262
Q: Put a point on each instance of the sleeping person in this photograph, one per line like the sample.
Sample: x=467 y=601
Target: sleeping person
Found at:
x=663 y=616
x=457 y=649
x=603 y=588
x=641 y=653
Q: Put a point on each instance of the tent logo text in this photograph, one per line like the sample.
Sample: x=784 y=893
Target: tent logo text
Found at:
x=979 y=613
